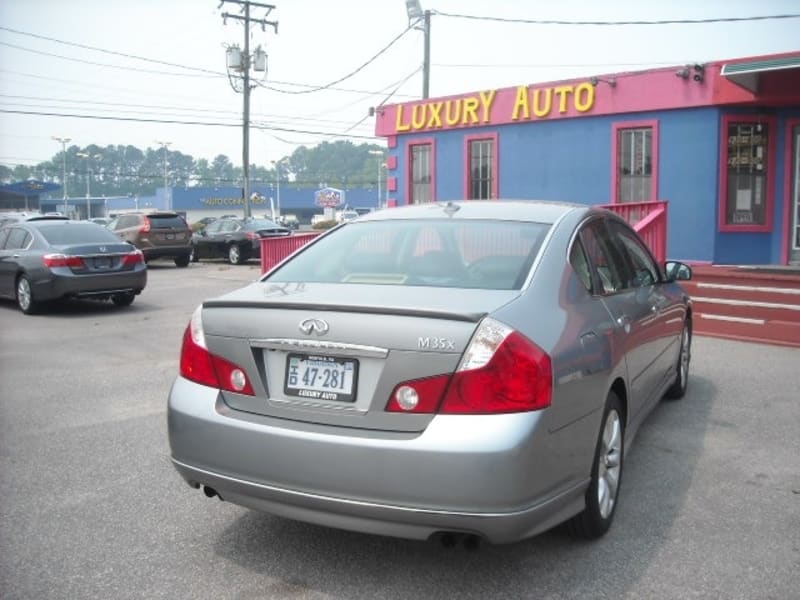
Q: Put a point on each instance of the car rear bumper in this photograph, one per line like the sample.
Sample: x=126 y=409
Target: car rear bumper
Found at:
x=61 y=285
x=166 y=251
x=487 y=476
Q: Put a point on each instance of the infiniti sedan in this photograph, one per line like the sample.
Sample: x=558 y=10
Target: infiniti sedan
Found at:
x=456 y=371
x=45 y=260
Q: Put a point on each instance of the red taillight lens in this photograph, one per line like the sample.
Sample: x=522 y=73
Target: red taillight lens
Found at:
x=133 y=258
x=62 y=260
x=252 y=235
x=145 y=225
x=502 y=371
x=517 y=378
x=200 y=366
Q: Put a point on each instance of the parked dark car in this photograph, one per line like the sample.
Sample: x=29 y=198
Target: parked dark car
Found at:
x=460 y=370
x=237 y=240
x=51 y=259
x=158 y=234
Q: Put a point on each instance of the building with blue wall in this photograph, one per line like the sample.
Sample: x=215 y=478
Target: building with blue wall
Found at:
x=720 y=142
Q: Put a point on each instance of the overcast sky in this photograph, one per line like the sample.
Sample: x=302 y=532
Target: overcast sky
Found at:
x=68 y=57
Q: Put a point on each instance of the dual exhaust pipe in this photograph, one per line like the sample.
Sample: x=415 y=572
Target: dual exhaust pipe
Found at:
x=448 y=539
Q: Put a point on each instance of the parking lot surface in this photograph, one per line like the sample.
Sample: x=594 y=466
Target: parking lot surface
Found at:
x=91 y=507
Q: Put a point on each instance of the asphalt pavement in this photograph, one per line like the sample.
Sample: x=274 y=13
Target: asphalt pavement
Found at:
x=90 y=506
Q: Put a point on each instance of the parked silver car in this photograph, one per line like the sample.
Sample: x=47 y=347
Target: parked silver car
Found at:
x=470 y=370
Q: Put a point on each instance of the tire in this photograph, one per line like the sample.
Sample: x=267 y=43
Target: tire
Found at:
x=235 y=255
x=123 y=299
x=24 y=294
x=603 y=492
x=678 y=389
x=183 y=261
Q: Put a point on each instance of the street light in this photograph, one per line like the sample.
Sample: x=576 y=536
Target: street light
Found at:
x=63 y=142
x=88 y=157
x=167 y=195
x=381 y=166
x=277 y=164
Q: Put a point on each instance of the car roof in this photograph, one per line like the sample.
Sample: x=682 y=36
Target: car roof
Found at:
x=540 y=211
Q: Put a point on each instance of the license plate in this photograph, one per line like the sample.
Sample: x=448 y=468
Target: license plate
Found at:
x=102 y=263
x=321 y=377
x=170 y=236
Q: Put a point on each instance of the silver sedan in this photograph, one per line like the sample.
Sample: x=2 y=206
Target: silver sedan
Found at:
x=455 y=371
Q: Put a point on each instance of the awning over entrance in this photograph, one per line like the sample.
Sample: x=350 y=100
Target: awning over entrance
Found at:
x=755 y=75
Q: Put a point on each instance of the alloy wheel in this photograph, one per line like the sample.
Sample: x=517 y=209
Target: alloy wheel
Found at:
x=609 y=464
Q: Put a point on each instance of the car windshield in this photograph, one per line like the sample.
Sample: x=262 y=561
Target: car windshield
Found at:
x=77 y=233
x=167 y=222
x=480 y=254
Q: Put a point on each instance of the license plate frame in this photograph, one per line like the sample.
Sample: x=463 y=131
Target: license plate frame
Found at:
x=102 y=262
x=329 y=382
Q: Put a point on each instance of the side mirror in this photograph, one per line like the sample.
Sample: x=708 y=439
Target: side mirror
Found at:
x=677 y=271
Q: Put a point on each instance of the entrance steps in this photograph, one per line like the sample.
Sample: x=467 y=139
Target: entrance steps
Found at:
x=756 y=304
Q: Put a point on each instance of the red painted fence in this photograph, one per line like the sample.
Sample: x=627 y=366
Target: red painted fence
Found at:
x=275 y=249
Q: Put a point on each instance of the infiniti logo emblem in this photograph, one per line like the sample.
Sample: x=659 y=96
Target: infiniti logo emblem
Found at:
x=318 y=326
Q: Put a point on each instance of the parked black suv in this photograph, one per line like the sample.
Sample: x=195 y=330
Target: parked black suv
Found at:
x=158 y=234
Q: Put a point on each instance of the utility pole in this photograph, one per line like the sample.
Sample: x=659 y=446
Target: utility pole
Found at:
x=426 y=64
x=241 y=62
x=415 y=15
x=167 y=195
x=63 y=142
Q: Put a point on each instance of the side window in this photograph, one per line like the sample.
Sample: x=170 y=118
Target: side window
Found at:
x=643 y=271
x=228 y=226
x=18 y=239
x=580 y=264
x=604 y=258
x=3 y=237
x=114 y=224
x=213 y=227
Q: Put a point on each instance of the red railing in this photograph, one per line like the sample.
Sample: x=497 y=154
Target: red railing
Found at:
x=649 y=219
x=275 y=249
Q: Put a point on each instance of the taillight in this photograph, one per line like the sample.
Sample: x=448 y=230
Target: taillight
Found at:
x=63 y=260
x=200 y=366
x=252 y=235
x=133 y=258
x=501 y=371
x=145 y=228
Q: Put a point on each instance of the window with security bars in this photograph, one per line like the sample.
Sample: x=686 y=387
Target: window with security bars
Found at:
x=421 y=174
x=481 y=171
x=635 y=164
x=747 y=173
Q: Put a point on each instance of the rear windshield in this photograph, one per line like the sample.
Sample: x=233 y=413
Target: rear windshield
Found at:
x=167 y=222
x=262 y=224
x=479 y=254
x=77 y=233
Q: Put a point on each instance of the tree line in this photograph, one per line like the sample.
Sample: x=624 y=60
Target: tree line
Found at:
x=127 y=170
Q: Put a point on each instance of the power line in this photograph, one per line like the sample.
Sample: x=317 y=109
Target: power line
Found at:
x=311 y=87
x=605 y=23
x=349 y=75
x=176 y=122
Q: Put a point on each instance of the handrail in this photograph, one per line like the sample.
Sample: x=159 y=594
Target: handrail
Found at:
x=649 y=219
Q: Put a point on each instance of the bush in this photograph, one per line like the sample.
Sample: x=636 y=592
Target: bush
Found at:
x=325 y=224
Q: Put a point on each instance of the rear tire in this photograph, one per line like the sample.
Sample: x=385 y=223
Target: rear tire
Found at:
x=123 y=299
x=603 y=492
x=235 y=255
x=678 y=389
x=25 y=300
x=182 y=261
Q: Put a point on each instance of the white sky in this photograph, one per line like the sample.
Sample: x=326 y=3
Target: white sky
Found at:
x=319 y=41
